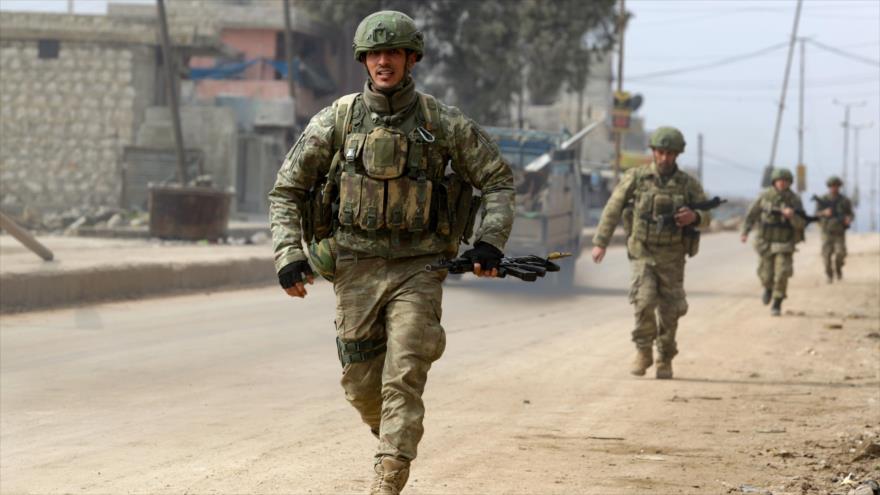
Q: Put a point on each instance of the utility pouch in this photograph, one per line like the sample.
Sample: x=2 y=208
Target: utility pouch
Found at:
x=476 y=201
x=418 y=205
x=321 y=211
x=349 y=197
x=691 y=240
x=663 y=205
x=354 y=143
x=371 y=213
x=441 y=205
x=385 y=153
x=643 y=206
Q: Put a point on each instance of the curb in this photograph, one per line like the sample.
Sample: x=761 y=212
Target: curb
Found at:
x=51 y=289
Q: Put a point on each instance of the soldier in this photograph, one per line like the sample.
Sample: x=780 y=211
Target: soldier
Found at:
x=835 y=214
x=656 y=248
x=368 y=186
x=780 y=217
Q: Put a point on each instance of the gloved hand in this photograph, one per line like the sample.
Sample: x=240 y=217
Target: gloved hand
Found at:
x=291 y=278
x=484 y=254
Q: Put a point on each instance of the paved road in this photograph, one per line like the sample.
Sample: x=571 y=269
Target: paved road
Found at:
x=238 y=391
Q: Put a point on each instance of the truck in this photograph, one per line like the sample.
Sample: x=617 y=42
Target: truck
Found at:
x=549 y=204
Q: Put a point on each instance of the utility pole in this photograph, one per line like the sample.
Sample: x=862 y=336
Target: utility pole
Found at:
x=700 y=157
x=168 y=59
x=856 y=128
x=846 y=107
x=794 y=30
x=800 y=104
x=618 y=136
x=288 y=50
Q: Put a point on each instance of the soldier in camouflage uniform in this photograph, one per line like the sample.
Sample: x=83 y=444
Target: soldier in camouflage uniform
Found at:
x=657 y=247
x=380 y=184
x=779 y=215
x=835 y=214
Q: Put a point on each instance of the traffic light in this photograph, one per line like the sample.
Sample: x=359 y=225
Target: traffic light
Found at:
x=624 y=105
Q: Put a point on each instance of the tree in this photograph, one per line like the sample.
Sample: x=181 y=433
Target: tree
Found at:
x=480 y=54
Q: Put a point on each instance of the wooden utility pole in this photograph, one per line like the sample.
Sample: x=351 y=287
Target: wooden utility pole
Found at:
x=288 y=50
x=171 y=88
x=618 y=136
x=25 y=237
x=794 y=30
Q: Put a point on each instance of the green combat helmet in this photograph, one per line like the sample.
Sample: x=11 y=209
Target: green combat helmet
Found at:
x=668 y=138
x=781 y=173
x=323 y=257
x=834 y=181
x=385 y=30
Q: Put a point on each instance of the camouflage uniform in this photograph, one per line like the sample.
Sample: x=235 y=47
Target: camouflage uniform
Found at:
x=398 y=210
x=657 y=256
x=834 y=233
x=776 y=237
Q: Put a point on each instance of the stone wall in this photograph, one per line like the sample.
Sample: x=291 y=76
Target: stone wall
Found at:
x=64 y=121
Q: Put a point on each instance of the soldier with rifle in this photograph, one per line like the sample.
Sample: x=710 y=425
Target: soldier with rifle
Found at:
x=379 y=185
x=779 y=215
x=835 y=213
x=668 y=209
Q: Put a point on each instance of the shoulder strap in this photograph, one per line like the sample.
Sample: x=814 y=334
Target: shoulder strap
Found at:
x=431 y=112
x=344 y=106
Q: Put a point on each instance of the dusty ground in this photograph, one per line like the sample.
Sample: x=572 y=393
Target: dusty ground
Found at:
x=237 y=392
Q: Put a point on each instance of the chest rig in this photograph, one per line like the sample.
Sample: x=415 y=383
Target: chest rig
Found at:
x=654 y=203
x=388 y=184
x=774 y=226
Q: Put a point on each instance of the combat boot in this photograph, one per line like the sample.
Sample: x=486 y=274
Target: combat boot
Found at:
x=644 y=359
x=391 y=476
x=768 y=293
x=839 y=273
x=776 y=309
x=663 y=371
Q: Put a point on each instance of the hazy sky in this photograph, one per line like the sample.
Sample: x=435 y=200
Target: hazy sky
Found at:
x=734 y=105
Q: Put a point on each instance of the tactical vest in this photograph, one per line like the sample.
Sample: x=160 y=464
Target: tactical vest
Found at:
x=774 y=227
x=388 y=191
x=834 y=225
x=653 y=205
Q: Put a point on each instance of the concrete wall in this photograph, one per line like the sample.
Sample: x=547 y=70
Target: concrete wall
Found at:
x=65 y=120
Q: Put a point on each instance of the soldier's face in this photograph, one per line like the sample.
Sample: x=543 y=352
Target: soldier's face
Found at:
x=834 y=190
x=781 y=184
x=665 y=159
x=388 y=67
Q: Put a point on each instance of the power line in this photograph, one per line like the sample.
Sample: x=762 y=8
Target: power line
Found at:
x=732 y=163
x=756 y=85
x=843 y=53
x=710 y=65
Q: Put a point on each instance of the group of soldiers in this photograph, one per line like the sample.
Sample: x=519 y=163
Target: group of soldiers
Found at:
x=381 y=183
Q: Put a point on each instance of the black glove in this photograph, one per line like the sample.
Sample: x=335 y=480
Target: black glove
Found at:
x=293 y=273
x=487 y=255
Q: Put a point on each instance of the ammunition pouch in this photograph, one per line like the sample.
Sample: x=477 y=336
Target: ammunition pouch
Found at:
x=691 y=239
x=359 y=352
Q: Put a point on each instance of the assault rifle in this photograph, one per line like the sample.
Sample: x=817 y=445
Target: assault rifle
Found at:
x=526 y=268
x=801 y=213
x=668 y=219
x=823 y=204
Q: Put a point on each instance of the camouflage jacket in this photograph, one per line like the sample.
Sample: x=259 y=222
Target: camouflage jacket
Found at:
x=644 y=189
x=774 y=231
x=841 y=207
x=473 y=157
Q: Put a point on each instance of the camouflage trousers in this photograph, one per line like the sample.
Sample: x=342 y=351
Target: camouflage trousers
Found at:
x=399 y=302
x=658 y=295
x=774 y=270
x=833 y=252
